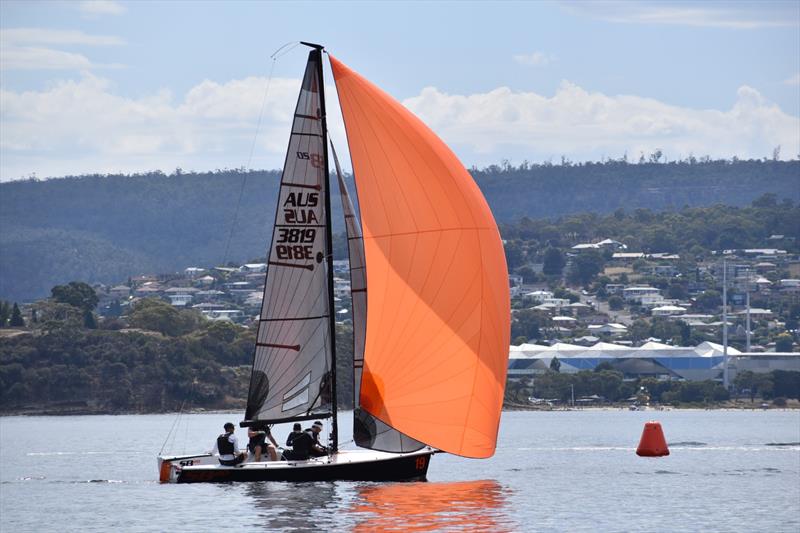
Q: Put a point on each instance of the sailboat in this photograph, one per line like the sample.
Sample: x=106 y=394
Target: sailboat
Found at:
x=430 y=298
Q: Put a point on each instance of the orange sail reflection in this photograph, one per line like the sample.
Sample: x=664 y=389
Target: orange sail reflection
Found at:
x=461 y=506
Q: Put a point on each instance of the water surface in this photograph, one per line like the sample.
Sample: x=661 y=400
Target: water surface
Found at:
x=553 y=471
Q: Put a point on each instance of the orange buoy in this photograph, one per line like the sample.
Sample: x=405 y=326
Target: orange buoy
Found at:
x=652 y=443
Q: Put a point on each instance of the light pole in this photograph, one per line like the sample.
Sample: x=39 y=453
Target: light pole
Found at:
x=725 y=324
x=748 y=318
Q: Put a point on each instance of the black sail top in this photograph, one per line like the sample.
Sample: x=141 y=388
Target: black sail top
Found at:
x=291 y=377
x=368 y=431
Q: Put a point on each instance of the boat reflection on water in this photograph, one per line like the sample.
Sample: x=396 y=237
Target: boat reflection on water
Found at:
x=295 y=506
x=464 y=505
x=345 y=506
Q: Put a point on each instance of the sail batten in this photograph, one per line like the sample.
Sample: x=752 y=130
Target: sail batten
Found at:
x=436 y=344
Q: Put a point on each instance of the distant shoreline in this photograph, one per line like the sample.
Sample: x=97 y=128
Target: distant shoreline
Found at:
x=791 y=405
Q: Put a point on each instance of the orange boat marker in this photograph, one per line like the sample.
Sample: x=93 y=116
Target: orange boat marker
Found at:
x=652 y=443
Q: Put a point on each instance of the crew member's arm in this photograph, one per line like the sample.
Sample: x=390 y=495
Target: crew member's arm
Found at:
x=235 y=443
x=271 y=438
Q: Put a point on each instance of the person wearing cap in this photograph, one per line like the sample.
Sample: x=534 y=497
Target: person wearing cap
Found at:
x=317 y=449
x=227 y=446
x=304 y=444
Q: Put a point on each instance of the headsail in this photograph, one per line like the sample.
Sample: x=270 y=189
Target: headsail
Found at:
x=368 y=431
x=437 y=336
x=292 y=365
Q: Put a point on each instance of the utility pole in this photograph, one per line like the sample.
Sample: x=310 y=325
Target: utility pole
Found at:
x=725 y=324
x=748 y=317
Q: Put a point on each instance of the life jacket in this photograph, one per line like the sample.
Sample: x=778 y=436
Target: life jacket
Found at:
x=225 y=446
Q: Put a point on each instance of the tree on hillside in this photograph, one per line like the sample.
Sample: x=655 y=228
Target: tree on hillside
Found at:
x=514 y=254
x=76 y=294
x=16 y=317
x=554 y=262
x=5 y=313
x=767 y=200
x=783 y=343
x=158 y=315
x=639 y=330
x=89 y=320
x=615 y=302
x=555 y=364
x=586 y=266
x=528 y=323
x=708 y=300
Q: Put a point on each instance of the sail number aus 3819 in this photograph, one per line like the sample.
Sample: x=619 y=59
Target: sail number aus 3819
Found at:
x=296 y=237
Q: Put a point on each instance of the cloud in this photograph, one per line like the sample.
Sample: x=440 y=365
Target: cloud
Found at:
x=585 y=125
x=101 y=7
x=731 y=15
x=29 y=49
x=22 y=36
x=535 y=59
x=794 y=80
x=28 y=58
x=85 y=125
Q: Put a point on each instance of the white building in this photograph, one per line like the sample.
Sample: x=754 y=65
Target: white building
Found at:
x=635 y=293
x=668 y=310
x=250 y=268
x=694 y=363
x=611 y=329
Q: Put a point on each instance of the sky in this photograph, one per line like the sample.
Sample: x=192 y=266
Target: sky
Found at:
x=114 y=86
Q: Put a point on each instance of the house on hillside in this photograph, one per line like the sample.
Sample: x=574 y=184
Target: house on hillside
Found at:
x=635 y=294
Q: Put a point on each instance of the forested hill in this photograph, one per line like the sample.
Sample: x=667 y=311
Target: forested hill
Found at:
x=106 y=228
x=557 y=190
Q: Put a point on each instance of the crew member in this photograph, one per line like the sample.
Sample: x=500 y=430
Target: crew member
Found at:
x=317 y=449
x=304 y=444
x=297 y=430
x=258 y=444
x=228 y=447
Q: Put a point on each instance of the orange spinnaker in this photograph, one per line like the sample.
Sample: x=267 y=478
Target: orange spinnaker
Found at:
x=438 y=315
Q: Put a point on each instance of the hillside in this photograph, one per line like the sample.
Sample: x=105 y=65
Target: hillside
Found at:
x=106 y=228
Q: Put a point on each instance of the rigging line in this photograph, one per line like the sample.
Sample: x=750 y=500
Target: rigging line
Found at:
x=275 y=55
x=172 y=428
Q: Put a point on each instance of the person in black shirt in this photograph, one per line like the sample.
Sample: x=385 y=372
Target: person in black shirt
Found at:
x=317 y=449
x=296 y=431
x=258 y=444
x=304 y=444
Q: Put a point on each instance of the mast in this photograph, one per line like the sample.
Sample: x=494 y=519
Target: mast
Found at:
x=328 y=245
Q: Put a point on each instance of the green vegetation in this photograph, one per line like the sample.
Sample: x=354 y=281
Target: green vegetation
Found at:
x=107 y=228
x=692 y=232
x=170 y=357
x=610 y=387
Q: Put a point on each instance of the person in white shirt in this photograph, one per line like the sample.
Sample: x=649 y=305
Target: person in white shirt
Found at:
x=227 y=445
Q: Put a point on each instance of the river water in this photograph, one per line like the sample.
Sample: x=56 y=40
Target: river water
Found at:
x=553 y=471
